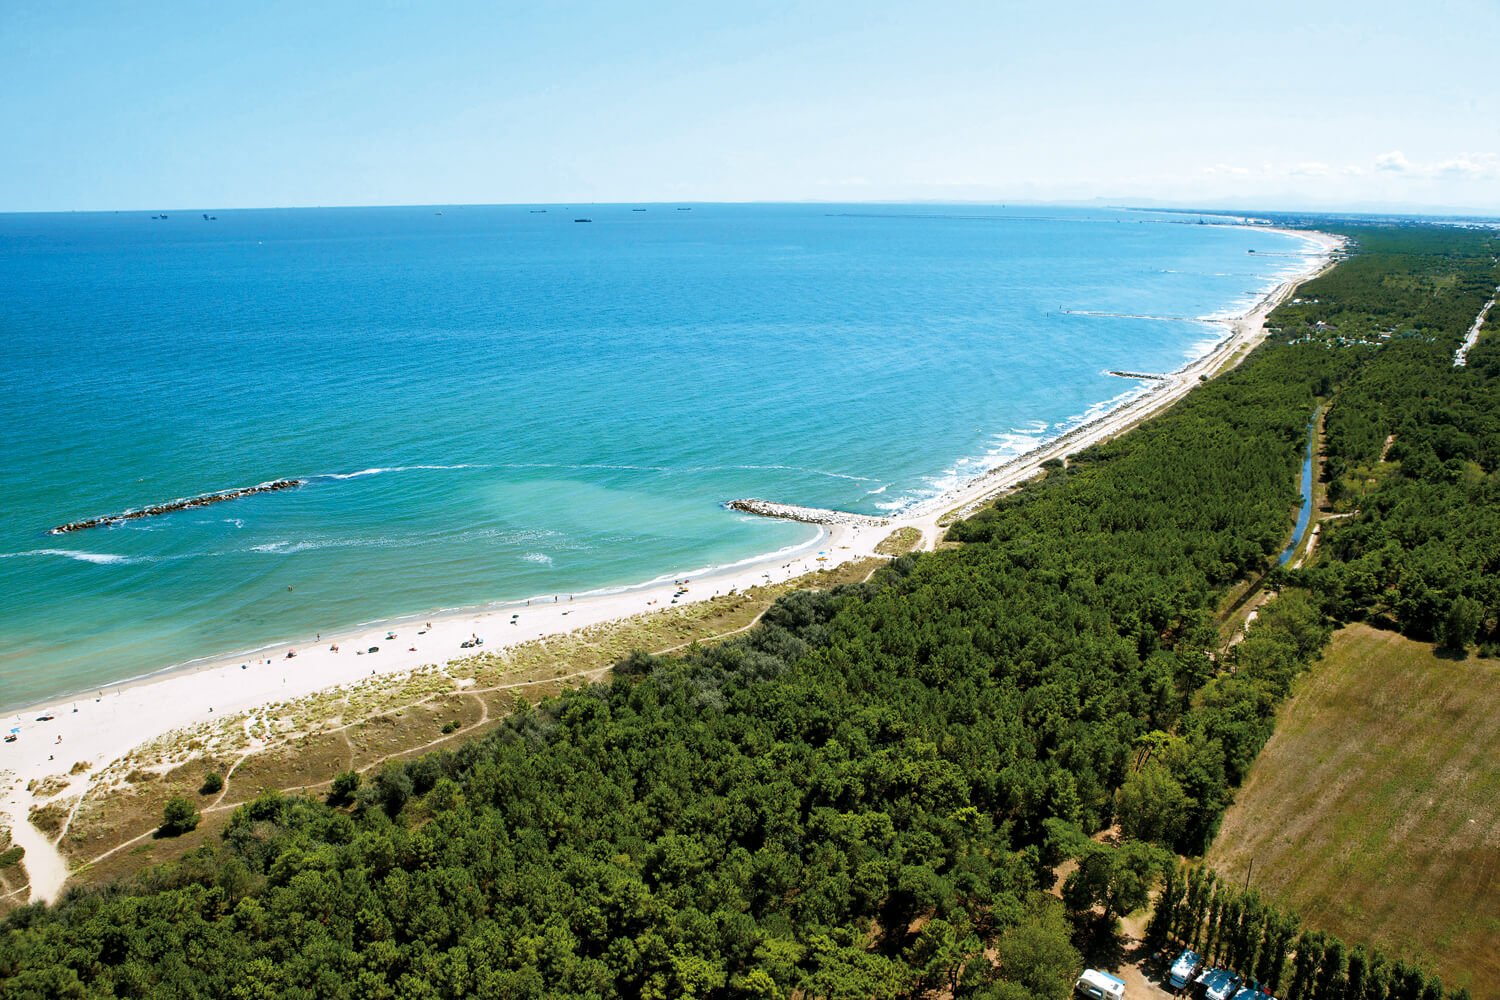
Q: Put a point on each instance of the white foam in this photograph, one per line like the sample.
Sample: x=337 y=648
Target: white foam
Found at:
x=98 y=558
x=378 y=470
x=286 y=548
x=541 y=558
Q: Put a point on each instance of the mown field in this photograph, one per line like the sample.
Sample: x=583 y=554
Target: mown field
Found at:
x=1374 y=811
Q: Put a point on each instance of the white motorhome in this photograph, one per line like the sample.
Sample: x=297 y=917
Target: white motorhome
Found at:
x=1099 y=986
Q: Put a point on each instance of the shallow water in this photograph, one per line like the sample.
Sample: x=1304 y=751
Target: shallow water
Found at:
x=494 y=403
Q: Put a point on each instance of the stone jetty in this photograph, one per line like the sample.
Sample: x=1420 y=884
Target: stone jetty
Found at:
x=203 y=500
x=808 y=515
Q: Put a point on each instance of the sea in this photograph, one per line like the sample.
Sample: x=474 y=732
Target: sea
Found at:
x=493 y=403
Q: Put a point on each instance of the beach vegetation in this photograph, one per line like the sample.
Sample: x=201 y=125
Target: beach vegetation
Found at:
x=12 y=856
x=213 y=782
x=178 y=816
x=899 y=542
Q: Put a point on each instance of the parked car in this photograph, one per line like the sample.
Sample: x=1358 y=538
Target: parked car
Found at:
x=1099 y=986
x=1187 y=965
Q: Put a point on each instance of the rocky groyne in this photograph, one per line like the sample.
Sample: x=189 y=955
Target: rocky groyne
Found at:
x=808 y=515
x=202 y=500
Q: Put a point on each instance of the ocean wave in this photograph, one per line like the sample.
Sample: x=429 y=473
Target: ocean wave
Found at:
x=686 y=469
x=878 y=490
x=378 y=470
x=1004 y=448
x=579 y=466
x=98 y=558
x=540 y=558
x=504 y=536
x=1102 y=407
x=510 y=535
x=288 y=548
x=789 y=468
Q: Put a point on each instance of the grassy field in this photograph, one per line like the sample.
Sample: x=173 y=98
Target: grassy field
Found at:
x=1374 y=811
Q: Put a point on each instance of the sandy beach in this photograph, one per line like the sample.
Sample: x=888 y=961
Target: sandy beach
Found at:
x=100 y=727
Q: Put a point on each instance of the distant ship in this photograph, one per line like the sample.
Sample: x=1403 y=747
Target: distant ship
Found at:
x=538 y=211
x=684 y=210
x=583 y=220
x=637 y=209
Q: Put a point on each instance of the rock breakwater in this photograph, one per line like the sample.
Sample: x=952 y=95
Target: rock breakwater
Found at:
x=808 y=515
x=202 y=500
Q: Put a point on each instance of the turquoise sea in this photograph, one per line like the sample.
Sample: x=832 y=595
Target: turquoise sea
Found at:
x=496 y=402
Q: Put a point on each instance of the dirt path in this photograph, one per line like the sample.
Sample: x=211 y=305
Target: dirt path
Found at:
x=1141 y=979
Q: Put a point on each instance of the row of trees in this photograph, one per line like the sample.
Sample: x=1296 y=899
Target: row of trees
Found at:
x=1237 y=929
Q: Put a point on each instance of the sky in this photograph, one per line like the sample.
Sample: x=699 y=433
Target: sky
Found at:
x=1316 y=104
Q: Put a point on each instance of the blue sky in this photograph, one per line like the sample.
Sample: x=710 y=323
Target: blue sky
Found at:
x=1278 y=104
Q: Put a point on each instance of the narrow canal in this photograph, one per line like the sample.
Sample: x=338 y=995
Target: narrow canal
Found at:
x=1304 y=515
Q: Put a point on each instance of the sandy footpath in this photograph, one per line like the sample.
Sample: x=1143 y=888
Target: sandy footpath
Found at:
x=102 y=726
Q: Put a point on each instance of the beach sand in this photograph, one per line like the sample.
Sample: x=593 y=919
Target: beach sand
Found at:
x=100 y=727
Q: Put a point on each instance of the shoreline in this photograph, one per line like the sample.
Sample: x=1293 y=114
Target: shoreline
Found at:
x=102 y=727
x=361 y=630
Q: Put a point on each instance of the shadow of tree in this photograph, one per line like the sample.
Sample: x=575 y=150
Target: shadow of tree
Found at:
x=1097 y=939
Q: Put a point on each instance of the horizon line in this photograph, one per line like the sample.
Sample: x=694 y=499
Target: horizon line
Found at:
x=1413 y=211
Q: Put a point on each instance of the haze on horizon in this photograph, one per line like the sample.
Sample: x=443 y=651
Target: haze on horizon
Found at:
x=1338 y=105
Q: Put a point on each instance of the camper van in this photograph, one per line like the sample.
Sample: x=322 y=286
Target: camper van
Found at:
x=1219 y=984
x=1099 y=986
x=1184 y=969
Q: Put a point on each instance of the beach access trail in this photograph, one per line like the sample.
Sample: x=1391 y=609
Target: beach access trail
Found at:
x=63 y=744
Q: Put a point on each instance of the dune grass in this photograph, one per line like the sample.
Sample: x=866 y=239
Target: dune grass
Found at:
x=302 y=744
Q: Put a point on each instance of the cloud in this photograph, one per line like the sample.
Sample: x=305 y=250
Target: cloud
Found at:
x=1475 y=166
x=1468 y=166
x=1394 y=162
x=1312 y=169
x=1229 y=169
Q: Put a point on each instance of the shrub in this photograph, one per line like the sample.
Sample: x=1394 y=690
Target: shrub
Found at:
x=213 y=781
x=178 y=817
x=345 y=785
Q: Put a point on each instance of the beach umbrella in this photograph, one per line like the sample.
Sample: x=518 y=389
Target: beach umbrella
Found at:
x=15 y=729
